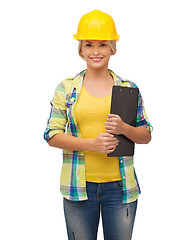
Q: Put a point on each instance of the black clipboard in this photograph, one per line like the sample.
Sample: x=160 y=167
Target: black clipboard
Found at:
x=124 y=103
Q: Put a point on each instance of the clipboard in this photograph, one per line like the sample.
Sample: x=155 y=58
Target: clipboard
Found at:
x=124 y=103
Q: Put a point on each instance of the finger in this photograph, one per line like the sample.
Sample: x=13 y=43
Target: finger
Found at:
x=109 y=127
x=112 y=119
x=112 y=138
x=110 y=144
x=110 y=115
x=111 y=150
x=109 y=120
x=109 y=147
x=110 y=131
x=106 y=135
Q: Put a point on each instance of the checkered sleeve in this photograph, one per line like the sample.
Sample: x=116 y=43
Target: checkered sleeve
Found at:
x=58 y=114
x=142 y=119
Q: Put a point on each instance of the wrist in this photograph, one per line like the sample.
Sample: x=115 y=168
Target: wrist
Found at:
x=127 y=130
x=89 y=144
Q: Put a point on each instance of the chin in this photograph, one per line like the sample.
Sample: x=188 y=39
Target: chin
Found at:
x=98 y=65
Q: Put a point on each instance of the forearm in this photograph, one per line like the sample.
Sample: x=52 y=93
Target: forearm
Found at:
x=103 y=143
x=115 y=125
x=139 y=135
x=68 y=142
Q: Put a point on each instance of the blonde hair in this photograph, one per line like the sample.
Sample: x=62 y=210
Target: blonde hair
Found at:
x=111 y=43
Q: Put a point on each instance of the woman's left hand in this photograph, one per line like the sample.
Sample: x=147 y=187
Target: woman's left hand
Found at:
x=114 y=124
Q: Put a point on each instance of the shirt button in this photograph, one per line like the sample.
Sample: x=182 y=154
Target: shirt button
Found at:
x=121 y=161
x=123 y=177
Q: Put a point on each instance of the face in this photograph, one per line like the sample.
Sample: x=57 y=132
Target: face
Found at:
x=96 y=53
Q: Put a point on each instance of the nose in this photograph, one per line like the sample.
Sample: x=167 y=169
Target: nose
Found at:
x=96 y=50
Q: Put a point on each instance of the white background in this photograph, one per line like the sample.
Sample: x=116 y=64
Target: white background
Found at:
x=37 y=51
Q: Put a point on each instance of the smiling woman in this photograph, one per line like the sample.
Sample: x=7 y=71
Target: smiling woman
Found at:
x=80 y=124
x=112 y=45
x=95 y=51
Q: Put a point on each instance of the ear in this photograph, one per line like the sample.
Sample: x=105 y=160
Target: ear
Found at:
x=81 y=53
x=112 y=53
x=80 y=49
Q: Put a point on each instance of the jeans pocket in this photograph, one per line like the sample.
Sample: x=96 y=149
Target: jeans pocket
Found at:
x=120 y=184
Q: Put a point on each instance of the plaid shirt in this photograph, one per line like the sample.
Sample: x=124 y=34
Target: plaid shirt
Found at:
x=62 y=119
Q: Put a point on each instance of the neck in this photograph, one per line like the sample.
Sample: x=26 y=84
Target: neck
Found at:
x=97 y=74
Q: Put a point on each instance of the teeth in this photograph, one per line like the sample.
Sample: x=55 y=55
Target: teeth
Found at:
x=96 y=58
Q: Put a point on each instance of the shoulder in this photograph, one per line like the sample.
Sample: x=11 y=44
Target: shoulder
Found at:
x=63 y=88
x=122 y=81
x=67 y=84
x=128 y=83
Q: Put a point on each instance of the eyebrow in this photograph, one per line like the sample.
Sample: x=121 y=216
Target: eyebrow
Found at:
x=99 y=42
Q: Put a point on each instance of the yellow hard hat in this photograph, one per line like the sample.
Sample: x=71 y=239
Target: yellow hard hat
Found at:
x=96 y=25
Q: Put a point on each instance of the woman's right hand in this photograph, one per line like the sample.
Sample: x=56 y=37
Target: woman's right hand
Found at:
x=104 y=143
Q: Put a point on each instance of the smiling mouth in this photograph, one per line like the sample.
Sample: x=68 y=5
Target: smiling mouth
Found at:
x=96 y=59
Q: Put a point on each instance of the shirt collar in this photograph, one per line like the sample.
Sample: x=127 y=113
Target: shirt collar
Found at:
x=78 y=79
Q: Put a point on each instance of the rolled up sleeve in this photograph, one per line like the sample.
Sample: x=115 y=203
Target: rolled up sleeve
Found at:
x=58 y=115
x=142 y=119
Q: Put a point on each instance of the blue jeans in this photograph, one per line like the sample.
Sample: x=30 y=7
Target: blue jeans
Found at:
x=82 y=217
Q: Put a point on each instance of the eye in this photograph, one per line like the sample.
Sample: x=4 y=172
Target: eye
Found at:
x=103 y=44
x=88 y=45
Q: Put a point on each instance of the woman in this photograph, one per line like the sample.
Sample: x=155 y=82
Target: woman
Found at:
x=81 y=125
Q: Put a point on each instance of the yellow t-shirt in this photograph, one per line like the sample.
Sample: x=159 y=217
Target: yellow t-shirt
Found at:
x=91 y=113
